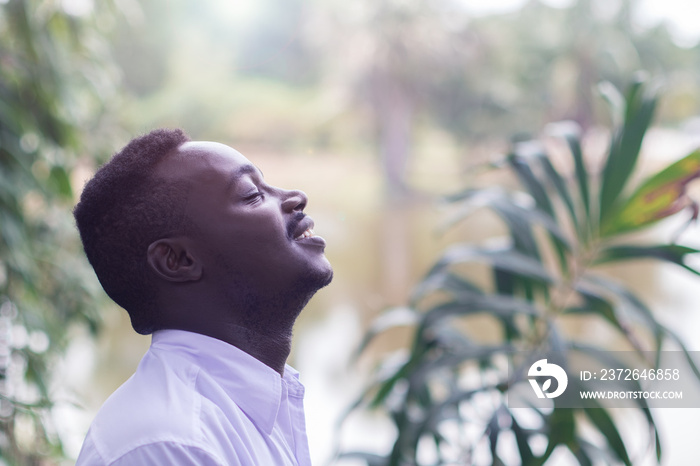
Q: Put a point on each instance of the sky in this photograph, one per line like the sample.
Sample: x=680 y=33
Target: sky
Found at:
x=682 y=16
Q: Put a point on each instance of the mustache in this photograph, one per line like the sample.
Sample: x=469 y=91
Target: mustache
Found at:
x=294 y=222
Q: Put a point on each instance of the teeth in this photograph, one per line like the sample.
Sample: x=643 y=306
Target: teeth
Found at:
x=307 y=234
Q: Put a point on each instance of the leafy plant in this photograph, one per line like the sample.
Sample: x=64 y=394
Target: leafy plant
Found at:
x=562 y=225
x=52 y=89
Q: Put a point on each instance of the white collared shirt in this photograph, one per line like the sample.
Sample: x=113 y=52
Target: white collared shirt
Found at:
x=196 y=400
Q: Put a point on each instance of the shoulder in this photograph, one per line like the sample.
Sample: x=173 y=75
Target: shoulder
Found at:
x=170 y=453
x=158 y=405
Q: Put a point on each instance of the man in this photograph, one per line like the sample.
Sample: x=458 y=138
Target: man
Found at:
x=217 y=265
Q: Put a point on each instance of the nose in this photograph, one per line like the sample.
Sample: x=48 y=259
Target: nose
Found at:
x=294 y=200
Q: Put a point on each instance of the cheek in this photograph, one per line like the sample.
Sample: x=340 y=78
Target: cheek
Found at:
x=261 y=229
x=255 y=235
x=247 y=235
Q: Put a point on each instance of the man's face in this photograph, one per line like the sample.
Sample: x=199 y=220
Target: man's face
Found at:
x=245 y=232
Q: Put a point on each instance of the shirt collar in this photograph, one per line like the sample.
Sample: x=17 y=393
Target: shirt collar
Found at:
x=255 y=387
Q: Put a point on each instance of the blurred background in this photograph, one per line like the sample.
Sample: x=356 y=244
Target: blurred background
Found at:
x=376 y=109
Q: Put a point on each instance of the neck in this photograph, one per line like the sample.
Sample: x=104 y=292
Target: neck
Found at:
x=271 y=350
x=259 y=327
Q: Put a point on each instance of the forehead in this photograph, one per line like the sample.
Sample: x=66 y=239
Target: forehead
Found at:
x=204 y=161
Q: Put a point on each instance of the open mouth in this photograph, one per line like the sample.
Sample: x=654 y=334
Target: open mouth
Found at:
x=308 y=233
x=304 y=234
x=303 y=228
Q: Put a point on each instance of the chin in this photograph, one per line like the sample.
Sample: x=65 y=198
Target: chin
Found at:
x=321 y=278
x=328 y=279
x=316 y=277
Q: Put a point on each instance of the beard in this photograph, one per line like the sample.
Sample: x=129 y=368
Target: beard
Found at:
x=273 y=312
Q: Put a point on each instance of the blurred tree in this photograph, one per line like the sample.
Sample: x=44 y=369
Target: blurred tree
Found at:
x=54 y=83
x=278 y=50
x=246 y=68
x=374 y=74
x=541 y=64
x=412 y=65
x=393 y=53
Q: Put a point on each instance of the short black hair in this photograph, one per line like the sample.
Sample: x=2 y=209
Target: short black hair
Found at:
x=122 y=210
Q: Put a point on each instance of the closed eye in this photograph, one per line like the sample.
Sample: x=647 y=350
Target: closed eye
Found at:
x=254 y=197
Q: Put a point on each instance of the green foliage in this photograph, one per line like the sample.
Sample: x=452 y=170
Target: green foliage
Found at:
x=561 y=226
x=51 y=88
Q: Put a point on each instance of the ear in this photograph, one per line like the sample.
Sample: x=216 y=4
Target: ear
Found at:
x=172 y=261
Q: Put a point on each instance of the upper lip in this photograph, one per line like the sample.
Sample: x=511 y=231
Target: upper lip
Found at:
x=302 y=225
